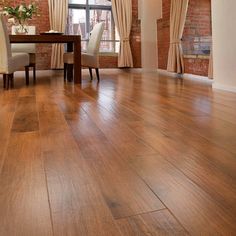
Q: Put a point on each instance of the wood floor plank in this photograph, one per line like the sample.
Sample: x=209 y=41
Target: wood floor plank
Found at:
x=77 y=208
x=5 y=129
x=112 y=153
x=208 y=159
x=203 y=101
x=77 y=205
x=119 y=134
x=7 y=110
x=212 y=128
x=215 y=178
x=222 y=159
x=24 y=208
x=109 y=124
x=197 y=211
x=123 y=191
x=51 y=119
x=160 y=120
x=27 y=91
x=26 y=115
x=154 y=224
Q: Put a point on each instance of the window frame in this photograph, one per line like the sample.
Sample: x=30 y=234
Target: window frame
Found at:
x=88 y=7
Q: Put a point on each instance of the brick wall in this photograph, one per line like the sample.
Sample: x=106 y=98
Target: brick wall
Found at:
x=42 y=24
x=198 y=23
x=44 y=51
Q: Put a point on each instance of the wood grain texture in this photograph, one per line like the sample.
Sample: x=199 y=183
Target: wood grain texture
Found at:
x=124 y=192
x=26 y=115
x=24 y=207
x=8 y=103
x=154 y=224
x=189 y=203
x=105 y=159
x=119 y=134
x=214 y=178
x=77 y=205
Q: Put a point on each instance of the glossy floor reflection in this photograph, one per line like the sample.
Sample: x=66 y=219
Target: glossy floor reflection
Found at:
x=137 y=154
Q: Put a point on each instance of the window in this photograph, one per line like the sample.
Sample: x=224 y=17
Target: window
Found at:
x=198 y=45
x=84 y=14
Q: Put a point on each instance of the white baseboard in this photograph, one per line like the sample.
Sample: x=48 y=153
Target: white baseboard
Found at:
x=224 y=87
x=186 y=76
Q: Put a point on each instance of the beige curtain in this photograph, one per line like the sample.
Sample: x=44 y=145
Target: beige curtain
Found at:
x=210 y=69
x=178 y=15
x=58 y=11
x=122 y=12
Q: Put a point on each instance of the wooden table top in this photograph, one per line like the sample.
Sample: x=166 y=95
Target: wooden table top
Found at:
x=49 y=38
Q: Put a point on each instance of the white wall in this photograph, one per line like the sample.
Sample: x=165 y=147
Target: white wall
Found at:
x=149 y=12
x=224 y=44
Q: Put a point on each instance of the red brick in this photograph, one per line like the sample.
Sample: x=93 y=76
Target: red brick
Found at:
x=198 y=23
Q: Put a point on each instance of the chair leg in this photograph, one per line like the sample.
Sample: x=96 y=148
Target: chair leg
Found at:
x=11 y=78
x=27 y=75
x=97 y=73
x=7 y=81
x=70 y=69
x=4 y=81
x=34 y=72
x=65 y=71
x=91 y=73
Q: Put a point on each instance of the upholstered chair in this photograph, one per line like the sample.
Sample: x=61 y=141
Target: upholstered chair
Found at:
x=90 y=58
x=26 y=48
x=10 y=62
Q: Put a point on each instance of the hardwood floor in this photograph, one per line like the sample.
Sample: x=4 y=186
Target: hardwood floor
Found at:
x=138 y=154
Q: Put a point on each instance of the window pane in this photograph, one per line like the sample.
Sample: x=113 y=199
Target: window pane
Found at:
x=97 y=16
x=77 y=24
x=105 y=16
x=100 y=2
x=77 y=1
x=197 y=45
x=112 y=47
x=81 y=21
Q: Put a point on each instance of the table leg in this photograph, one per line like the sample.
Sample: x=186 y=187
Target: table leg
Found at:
x=69 y=47
x=69 y=67
x=70 y=72
x=77 y=62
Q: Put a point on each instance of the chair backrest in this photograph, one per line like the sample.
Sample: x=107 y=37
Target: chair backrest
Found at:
x=27 y=47
x=5 y=47
x=95 y=39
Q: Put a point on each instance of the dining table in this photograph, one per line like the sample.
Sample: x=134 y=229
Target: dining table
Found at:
x=73 y=45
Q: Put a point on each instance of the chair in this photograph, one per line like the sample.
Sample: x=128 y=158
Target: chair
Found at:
x=26 y=48
x=90 y=58
x=10 y=62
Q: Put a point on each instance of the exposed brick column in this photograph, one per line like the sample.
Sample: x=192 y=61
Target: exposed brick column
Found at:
x=198 y=23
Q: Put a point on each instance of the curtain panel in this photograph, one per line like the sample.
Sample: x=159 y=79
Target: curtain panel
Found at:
x=58 y=12
x=122 y=12
x=178 y=15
